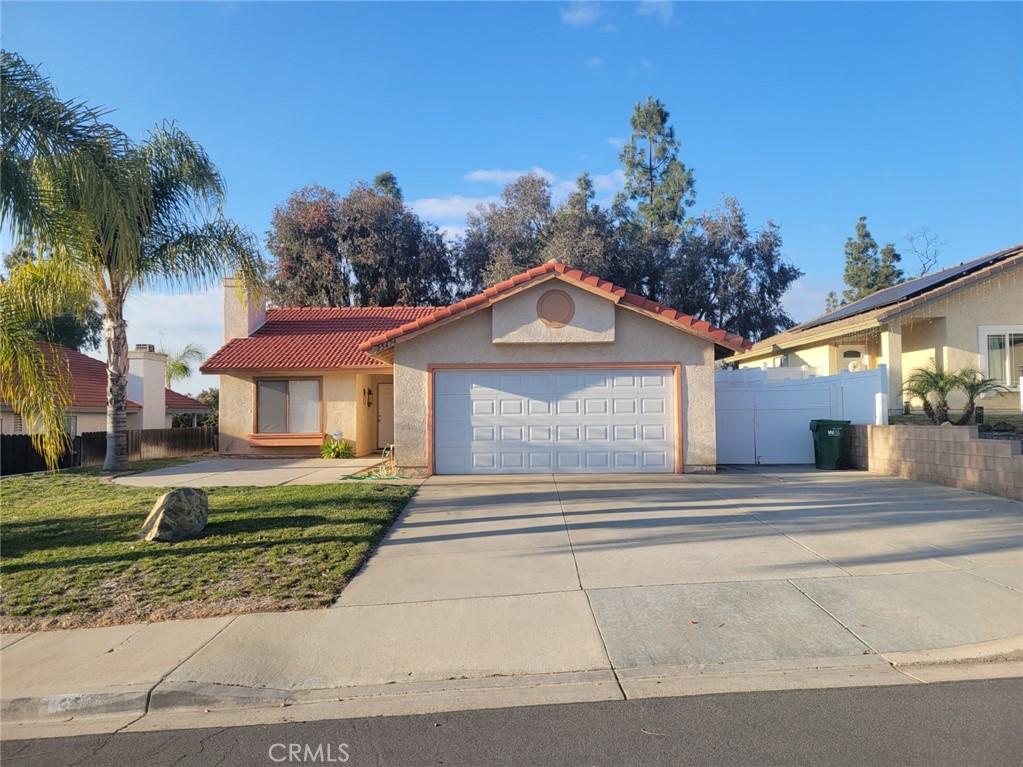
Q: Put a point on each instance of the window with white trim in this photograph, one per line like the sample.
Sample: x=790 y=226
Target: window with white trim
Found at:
x=1001 y=353
x=288 y=406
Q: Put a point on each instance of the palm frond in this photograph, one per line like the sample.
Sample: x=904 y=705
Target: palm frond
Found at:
x=179 y=364
x=33 y=381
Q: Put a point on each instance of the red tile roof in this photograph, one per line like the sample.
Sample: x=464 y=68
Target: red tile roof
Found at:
x=89 y=382
x=173 y=400
x=684 y=322
x=317 y=338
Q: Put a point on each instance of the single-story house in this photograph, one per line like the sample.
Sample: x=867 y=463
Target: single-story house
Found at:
x=970 y=315
x=553 y=370
x=151 y=405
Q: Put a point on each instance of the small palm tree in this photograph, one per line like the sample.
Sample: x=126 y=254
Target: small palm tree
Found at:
x=179 y=364
x=929 y=381
x=973 y=384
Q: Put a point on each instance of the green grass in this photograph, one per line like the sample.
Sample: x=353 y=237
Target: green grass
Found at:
x=72 y=556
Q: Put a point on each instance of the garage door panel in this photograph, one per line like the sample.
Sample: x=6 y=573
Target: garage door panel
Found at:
x=563 y=421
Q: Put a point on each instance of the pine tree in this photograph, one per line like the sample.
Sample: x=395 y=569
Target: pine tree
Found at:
x=655 y=178
x=831 y=303
x=866 y=269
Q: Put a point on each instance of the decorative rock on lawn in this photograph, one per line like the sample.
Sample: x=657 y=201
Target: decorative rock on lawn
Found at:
x=179 y=514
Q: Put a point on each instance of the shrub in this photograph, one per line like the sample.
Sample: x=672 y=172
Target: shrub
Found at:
x=337 y=448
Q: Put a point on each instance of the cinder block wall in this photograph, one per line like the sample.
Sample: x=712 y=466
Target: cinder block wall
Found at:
x=855 y=446
x=945 y=455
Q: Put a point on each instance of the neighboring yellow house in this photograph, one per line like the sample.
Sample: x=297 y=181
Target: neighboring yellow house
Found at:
x=970 y=315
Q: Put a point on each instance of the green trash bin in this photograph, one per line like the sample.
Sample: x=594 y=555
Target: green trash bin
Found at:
x=827 y=443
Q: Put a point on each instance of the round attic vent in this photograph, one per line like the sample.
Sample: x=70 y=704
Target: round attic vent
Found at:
x=555 y=308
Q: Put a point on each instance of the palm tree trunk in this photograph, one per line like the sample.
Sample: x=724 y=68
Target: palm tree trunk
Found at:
x=116 y=335
x=929 y=410
x=967 y=415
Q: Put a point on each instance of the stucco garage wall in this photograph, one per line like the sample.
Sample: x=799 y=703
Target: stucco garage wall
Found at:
x=637 y=339
x=237 y=403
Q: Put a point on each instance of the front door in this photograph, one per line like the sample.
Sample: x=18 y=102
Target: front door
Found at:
x=385 y=414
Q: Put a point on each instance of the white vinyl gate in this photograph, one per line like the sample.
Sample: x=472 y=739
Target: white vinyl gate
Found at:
x=763 y=416
x=563 y=420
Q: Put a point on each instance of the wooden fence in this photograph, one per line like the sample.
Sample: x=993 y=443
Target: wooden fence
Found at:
x=17 y=456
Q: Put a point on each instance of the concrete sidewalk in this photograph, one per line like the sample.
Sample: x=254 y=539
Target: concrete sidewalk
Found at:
x=501 y=591
x=256 y=472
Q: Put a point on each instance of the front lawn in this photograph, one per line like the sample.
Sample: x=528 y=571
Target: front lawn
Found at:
x=71 y=555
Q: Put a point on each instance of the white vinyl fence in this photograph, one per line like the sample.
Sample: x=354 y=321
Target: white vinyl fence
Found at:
x=763 y=415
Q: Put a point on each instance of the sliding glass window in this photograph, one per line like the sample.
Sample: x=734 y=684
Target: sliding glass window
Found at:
x=288 y=406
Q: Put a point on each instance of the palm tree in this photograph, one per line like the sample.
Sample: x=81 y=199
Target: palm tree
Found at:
x=181 y=239
x=32 y=381
x=42 y=136
x=179 y=364
x=973 y=384
x=928 y=381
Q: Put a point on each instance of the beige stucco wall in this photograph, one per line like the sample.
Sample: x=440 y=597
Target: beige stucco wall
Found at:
x=514 y=320
x=366 y=415
x=993 y=302
x=638 y=339
x=87 y=421
x=237 y=394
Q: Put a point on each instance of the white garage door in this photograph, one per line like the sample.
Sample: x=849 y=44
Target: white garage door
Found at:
x=564 y=420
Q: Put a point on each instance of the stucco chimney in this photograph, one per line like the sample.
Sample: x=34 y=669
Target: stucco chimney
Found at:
x=243 y=313
x=146 y=373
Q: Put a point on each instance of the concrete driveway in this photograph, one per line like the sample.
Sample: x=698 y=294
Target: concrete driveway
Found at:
x=645 y=582
x=258 y=472
x=733 y=568
x=526 y=589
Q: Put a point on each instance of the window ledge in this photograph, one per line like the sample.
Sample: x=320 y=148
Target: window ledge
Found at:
x=285 y=440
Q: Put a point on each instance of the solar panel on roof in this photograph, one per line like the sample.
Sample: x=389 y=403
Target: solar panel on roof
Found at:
x=908 y=289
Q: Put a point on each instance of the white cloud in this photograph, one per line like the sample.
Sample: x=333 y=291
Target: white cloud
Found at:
x=609 y=182
x=616 y=141
x=452 y=232
x=503 y=176
x=562 y=189
x=662 y=10
x=173 y=320
x=580 y=14
x=594 y=64
x=455 y=206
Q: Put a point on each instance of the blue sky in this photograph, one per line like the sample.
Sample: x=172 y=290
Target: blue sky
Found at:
x=811 y=114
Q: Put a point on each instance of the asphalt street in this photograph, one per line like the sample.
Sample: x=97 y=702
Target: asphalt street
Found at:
x=961 y=723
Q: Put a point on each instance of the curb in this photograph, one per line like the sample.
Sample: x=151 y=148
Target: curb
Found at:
x=122 y=700
x=188 y=700
x=992 y=651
